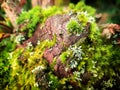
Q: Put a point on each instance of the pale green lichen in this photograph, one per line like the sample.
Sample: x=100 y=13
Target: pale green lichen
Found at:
x=19 y=39
x=78 y=22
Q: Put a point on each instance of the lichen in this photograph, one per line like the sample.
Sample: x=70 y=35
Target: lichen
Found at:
x=79 y=21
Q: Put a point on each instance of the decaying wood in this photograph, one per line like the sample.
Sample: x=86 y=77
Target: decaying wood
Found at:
x=10 y=12
x=13 y=9
x=110 y=29
x=56 y=25
x=43 y=3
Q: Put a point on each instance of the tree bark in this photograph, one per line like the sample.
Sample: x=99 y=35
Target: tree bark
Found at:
x=10 y=12
x=43 y=3
x=56 y=25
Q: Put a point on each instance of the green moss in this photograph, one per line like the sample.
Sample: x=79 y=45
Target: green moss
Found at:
x=81 y=6
x=26 y=63
x=6 y=46
x=74 y=27
x=29 y=20
x=53 y=81
x=50 y=11
x=77 y=24
x=64 y=56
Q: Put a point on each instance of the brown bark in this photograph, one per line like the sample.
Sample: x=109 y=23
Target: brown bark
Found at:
x=56 y=25
x=13 y=9
x=42 y=3
x=110 y=29
x=10 y=12
x=5 y=28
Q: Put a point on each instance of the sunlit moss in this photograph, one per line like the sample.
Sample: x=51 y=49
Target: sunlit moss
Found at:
x=6 y=47
x=25 y=63
x=81 y=6
x=74 y=27
x=29 y=20
x=64 y=56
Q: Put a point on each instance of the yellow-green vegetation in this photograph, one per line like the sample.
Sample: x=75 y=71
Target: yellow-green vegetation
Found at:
x=30 y=19
x=81 y=6
x=6 y=46
x=78 y=22
x=83 y=14
x=64 y=56
x=25 y=63
x=74 y=27
x=94 y=62
x=50 y=11
x=98 y=57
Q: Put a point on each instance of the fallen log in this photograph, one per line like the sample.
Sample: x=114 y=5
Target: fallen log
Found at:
x=56 y=26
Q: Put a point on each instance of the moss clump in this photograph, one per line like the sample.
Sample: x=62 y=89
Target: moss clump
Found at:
x=79 y=21
x=50 y=11
x=74 y=27
x=81 y=6
x=64 y=56
x=29 y=20
x=27 y=64
x=6 y=46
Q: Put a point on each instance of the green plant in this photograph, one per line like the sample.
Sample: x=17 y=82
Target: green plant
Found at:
x=6 y=46
x=74 y=27
x=26 y=64
x=29 y=20
x=77 y=24
x=50 y=11
x=53 y=81
x=64 y=56
x=81 y=6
